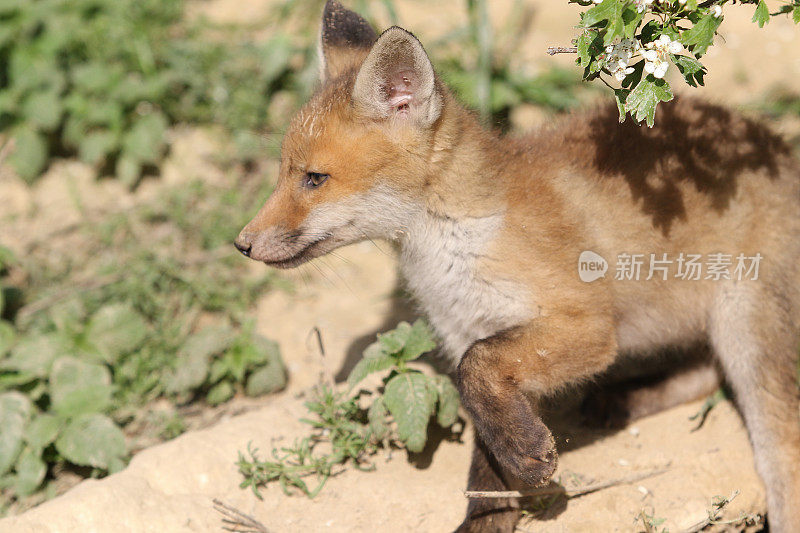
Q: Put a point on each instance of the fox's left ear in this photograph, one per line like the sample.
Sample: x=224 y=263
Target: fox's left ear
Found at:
x=397 y=80
x=345 y=39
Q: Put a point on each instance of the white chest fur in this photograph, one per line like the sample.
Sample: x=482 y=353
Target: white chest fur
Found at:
x=439 y=261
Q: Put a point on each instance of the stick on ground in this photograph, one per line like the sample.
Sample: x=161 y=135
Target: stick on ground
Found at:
x=553 y=489
x=235 y=520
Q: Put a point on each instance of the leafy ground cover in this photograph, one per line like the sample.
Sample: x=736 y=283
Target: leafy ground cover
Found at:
x=146 y=303
x=350 y=425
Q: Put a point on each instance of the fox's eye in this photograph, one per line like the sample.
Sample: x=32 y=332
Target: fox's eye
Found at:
x=312 y=180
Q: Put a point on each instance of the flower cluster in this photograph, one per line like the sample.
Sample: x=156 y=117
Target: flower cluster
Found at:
x=630 y=44
x=657 y=53
x=619 y=56
x=656 y=56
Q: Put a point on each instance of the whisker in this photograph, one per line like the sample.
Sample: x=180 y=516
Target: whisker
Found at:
x=337 y=274
x=381 y=250
x=341 y=257
x=321 y=273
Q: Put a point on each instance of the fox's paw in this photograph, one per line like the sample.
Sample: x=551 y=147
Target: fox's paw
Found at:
x=527 y=452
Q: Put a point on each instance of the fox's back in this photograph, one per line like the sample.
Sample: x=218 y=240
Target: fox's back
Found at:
x=704 y=177
x=704 y=181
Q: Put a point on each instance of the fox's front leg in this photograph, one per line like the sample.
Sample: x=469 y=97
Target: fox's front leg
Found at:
x=500 y=378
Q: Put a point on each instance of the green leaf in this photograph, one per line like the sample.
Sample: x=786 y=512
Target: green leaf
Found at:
x=128 y=169
x=96 y=77
x=367 y=366
x=761 y=16
x=68 y=316
x=620 y=96
x=393 y=341
x=30 y=472
x=9 y=6
x=700 y=36
x=447 y=408
x=264 y=351
x=410 y=399
x=92 y=440
x=265 y=380
x=15 y=409
x=145 y=140
x=796 y=14
x=30 y=153
x=607 y=10
x=189 y=374
x=220 y=393
x=584 y=45
x=211 y=340
x=14 y=380
x=692 y=70
x=43 y=110
x=244 y=356
x=7 y=336
x=96 y=146
x=194 y=358
x=419 y=340
x=622 y=19
x=115 y=330
x=377 y=417
x=6 y=256
x=643 y=99
x=35 y=354
x=504 y=95
x=77 y=387
x=42 y=431
x=105 y=113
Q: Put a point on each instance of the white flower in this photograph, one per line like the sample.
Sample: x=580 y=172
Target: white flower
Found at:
x=656 y=55
x=716 y=10
x=619 y=55
x=642 y=5
x=620 y=71
x=682 y=2
x=597 y=1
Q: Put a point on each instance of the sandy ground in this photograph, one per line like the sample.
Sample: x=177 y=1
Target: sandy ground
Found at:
x=349 y=298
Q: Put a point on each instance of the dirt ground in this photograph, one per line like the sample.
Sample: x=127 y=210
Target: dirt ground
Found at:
x=351 y=297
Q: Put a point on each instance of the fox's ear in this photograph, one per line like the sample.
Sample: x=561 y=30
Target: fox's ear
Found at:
x=397 y=79
x=345 y=39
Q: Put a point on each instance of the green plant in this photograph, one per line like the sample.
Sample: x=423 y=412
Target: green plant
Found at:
x=630 y=44
x=148 y=307
x=105 y=79
x=352 y=425
x=651 y=523
x=780 y=102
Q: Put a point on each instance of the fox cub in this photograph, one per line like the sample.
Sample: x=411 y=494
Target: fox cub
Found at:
x=493 y=234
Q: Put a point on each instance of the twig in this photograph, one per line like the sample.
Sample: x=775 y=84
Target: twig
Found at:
x=714 y=514
x=553 y=50
x=325 y=376
x=553 y=489
x=647 y=521
x=235 y=520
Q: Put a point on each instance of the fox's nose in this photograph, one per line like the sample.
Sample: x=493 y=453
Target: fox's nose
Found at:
x=243 y=247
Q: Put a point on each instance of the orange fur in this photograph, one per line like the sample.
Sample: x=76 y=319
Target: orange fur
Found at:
x=491 y=228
